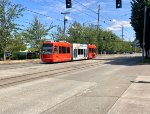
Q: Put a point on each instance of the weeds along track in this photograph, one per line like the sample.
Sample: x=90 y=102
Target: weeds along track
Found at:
x=10 y=81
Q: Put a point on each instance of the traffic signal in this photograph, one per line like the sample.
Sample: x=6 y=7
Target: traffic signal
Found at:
x=118 y=4
x=68 y=4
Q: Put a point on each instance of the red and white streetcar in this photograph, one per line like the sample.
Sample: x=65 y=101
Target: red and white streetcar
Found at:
x=64 y=51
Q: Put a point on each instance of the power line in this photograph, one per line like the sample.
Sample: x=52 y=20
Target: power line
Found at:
x=84 y=12
x=62 y=20
x=118 y=17
x=92 y=10
x=87 y=13
x=80 y=11
x=58 y=10
x=86 y=7
x=43 y=15
x=24 y=21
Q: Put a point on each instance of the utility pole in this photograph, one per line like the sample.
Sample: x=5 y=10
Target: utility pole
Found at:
x=98 y=24
x=65 y=20
x=144 y=30
x=122 y=32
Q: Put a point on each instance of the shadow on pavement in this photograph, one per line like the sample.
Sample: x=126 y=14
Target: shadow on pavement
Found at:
x=127 y=61
x=146 y=82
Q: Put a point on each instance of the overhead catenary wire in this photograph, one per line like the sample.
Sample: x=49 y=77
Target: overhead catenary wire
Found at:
x=104 y=21
x=43 y=15
x=92 y=10
x=78 y=10
x=81 y=11
x=89 y=10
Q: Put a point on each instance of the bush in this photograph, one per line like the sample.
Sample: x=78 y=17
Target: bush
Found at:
x=19 y=55
x=24 y=55
x=31 y=55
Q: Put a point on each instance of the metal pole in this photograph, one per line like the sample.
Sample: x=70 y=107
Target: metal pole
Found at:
x=98 y=25
x=122 y=32
x=144 y=30
x=64 y=24
x=65 y=20
x=98 y=17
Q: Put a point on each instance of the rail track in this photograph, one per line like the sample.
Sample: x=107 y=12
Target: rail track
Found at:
x=10 y=81
x=20 y=65
x=23 y=65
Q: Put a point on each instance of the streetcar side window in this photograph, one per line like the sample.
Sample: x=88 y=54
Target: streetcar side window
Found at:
x=89 y=50
x=60 y=49
x=47 y=48
x=55 y=49
x=68 y=49
x=80 y=51
x=92 y=50
x=63 y=49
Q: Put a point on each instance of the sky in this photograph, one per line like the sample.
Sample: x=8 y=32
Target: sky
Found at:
x=82 y=11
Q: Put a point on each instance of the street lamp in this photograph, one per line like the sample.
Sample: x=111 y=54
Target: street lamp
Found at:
x=65 y=20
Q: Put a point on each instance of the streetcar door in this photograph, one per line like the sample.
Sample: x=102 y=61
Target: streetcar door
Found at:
x=84 y=53
x=75 y=53
x=56 y=55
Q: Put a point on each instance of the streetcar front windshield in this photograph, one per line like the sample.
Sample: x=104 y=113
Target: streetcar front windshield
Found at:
x=47 y=48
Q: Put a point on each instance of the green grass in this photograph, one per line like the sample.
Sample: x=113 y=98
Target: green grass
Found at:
x=146 y=61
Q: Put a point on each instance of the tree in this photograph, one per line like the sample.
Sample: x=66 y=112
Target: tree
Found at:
x=137 y=21
x=8 y=14
x=75 y=32
x=35 y=33
x=105 y=41
x=16 y=39
x=59 y=34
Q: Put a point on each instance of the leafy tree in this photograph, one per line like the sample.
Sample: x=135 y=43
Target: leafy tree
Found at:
x=59 y=35
x=75 y=32
x=137 y=21
x=90 y=34
x=104 y=40
x=16 y=39
x=35 y=33
x=8 y=14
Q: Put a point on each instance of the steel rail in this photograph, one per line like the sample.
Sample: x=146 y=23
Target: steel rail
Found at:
x=5 y=82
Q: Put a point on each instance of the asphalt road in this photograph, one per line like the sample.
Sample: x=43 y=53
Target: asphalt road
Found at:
x=109 y=88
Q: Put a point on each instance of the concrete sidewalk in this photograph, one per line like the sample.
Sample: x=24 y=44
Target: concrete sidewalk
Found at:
x=136 y=99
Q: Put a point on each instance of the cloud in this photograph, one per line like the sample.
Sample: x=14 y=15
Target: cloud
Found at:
x=44 y=12
x=117 y=25
x=68 y=18
x=89 y=3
